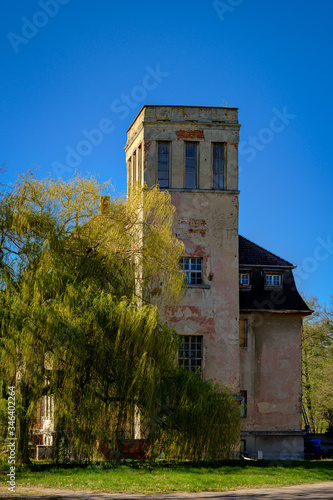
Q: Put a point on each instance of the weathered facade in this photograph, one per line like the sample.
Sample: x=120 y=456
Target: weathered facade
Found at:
x=248 y=338
x=271 y=312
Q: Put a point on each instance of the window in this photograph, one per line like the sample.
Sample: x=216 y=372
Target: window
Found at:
x=218 y=165
x=243 y=404
x=190 y=353
x=244 y=279
x=134 y=167
x=192 y=270
x=140 y=164
x=190 y=165
x=243 y=332
x=163 y=163
x=273 y=280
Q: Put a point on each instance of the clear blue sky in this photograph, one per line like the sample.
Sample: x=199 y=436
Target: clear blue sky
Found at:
x=68 y=66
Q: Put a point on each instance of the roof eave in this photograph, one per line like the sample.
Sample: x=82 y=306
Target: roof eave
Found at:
x=270 y=266
x=279 y=311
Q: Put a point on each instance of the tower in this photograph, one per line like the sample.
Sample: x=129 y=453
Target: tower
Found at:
x=192 y=152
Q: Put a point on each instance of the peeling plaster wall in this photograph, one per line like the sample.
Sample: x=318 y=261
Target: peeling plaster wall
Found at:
x=212 y=310
x=271 y=372
x=206 y=221
x=178 y=124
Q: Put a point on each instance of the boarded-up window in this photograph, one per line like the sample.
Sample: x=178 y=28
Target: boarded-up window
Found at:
x=243 y=332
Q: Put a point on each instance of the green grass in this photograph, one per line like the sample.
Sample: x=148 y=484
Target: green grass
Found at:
x=168 y=478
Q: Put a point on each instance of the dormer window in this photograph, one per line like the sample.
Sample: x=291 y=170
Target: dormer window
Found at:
x=273 y=280
x=244 y=279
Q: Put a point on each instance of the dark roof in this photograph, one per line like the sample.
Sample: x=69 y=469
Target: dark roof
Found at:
x=251 y=254
x=258 y=297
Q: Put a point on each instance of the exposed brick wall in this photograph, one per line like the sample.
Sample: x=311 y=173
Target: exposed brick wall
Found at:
x=190 y=134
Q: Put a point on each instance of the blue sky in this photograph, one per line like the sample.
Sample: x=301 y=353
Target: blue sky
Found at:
x=72 y=66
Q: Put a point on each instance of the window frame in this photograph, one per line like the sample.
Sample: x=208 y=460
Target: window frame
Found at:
x=168 y=143
x=193 y=364
x=191 y=270
x=222 y=144
x=273 y=274
x=242 y=285
x=195 y=144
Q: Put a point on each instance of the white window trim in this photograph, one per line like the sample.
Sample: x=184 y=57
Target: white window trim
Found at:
x=242 y=285
x=268 y=273
x=194 y=271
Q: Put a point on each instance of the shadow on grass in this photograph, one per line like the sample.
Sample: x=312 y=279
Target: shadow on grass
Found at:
x=227 y=466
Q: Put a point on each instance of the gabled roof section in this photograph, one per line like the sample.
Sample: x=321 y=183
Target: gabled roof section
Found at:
x=251 y=254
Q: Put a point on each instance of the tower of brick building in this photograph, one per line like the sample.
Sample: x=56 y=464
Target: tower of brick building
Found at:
x=176 y=147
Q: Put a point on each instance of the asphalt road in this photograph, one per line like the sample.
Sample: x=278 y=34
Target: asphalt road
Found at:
x=319 y=491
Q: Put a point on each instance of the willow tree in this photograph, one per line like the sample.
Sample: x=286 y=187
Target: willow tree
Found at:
x=59 y=255
x=76 y=324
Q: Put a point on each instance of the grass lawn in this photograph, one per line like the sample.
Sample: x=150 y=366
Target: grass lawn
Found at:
x=167 y=478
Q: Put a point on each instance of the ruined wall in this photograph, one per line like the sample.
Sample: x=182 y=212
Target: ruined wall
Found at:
x=271 y=372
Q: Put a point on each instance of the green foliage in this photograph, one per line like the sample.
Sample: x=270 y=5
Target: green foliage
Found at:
x=318 y=366
x=171 y=477
x=77 y=324
x=196 y=418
